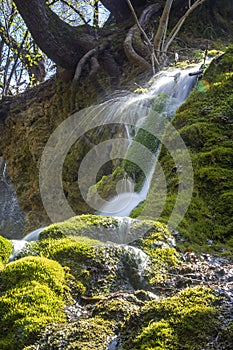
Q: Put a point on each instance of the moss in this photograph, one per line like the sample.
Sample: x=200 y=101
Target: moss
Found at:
x=86 y=334
x=118 y=309
x=82 y=225
x=6 y=248
x=106 y=187
x=205 y=123
x=176 y=322
x=76 y=254
x=31 y=298
x=25 y=270
x=159 y=244
x=135 y=155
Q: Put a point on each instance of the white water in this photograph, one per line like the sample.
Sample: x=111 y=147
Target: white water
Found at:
x=177 y=84
x=132 y=110
x=19 y=244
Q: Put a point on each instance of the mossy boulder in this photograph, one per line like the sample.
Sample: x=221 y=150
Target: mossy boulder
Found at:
x=6 y=248
x=42 y=270
x=31 y=298
x=174 y=323
x=98 y=269
x=102 y=268
x=86 y=334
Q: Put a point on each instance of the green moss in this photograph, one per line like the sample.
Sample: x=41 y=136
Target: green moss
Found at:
x=82 y=225
x=139 y=155
x=6 y=248
x=25 y=311
x=86 y=334
x=176 y=322
x=31 y=298
x=25 y=270
x=117 y=310
x=106 y=187
x=158 y=243
x=204 y=122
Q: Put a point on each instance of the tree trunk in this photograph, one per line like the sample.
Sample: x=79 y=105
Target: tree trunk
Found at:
x=64 y=44
x=120 y=10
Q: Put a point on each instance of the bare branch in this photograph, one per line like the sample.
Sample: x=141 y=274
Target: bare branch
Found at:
x=131 y=53
x=75 y=10
x=162 y=28
x=179 y=24
x=87 y=57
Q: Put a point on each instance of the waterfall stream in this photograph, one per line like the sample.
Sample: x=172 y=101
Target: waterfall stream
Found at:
x=132 y=111
x=177 y=85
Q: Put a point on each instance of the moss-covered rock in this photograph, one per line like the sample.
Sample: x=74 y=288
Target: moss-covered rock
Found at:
x=174 y=323
x=6 y=248
x=31 y=298
x=86 y=334
x=25 y=270
x=204 y=122
x=105 y=268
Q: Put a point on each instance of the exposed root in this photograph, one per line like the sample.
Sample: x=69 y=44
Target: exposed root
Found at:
x=93 y=52
x=130 y=52
x=93 y=75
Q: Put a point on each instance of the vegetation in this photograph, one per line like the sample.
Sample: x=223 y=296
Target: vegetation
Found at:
x=5 y=249
x=31 y=298
x=175 y=322
x=75 y=288
x=204 y=122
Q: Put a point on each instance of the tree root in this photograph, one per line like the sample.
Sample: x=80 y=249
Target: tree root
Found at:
x=130 y=52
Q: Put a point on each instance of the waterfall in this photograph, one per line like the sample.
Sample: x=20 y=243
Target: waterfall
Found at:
x=133 y=111
x=176 y=84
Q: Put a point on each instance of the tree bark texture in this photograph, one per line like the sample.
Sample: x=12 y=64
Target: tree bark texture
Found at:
x=64 y=44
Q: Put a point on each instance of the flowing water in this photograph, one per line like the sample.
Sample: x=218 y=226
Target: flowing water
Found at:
x=19 y=244
x=176 y=84
x=132 y=111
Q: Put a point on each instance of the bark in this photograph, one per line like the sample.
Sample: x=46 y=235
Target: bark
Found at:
x=132 y=55
x=162 y=25
x=120 y=9
x=64 y=44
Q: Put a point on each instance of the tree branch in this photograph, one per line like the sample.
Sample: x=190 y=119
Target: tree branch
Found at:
x=161 y=31
x=179 y=24
x=87 y=56
x=64 y=44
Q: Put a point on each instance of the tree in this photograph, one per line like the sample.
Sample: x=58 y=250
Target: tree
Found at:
x=20 y=56
x=67 y=45
x=68 y=32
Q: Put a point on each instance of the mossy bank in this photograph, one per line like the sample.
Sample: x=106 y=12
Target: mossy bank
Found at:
x=204 y=122
x=69 y=290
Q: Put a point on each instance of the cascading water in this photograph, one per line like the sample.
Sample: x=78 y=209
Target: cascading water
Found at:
x=19 y=244
x=132 y=111
x=176 y=84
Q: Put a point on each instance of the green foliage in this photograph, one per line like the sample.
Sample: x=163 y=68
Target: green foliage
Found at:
x=31 y=298
x=6 y=248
